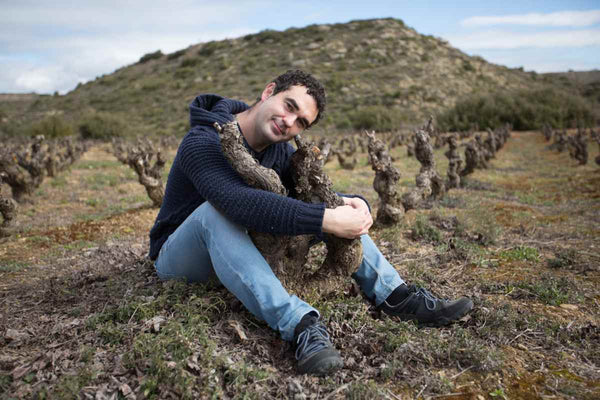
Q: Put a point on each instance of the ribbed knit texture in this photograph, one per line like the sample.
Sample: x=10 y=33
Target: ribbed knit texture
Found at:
x=201 y=173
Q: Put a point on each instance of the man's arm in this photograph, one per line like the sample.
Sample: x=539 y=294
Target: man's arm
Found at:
x=203 y=163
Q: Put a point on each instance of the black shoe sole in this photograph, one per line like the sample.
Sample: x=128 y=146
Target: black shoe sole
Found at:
x=441 y=321
x=321 y=364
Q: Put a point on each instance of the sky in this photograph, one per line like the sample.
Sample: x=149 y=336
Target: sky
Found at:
x=51 y=46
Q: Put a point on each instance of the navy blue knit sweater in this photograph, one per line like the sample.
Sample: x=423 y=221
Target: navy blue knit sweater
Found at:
x=201 y=173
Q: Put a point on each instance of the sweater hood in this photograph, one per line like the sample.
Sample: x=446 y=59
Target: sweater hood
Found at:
x=207 y=109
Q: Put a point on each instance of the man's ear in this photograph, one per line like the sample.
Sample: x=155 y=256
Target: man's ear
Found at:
x=268 y=92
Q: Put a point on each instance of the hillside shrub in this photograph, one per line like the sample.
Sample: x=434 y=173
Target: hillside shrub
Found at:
x=209 y=48
x=592 y=91
x=102 y=126
x=8 y=129
x=151 y=56
x=176 y=54
x=182 y=73
x=375 y=118
x=188 y=62
x=51 y=127
x=267 y=34
x=523 y=109
x=468 y=67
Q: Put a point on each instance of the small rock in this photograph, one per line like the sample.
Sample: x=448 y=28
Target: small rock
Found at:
x=299 y=63
x=126 y=391
x=13 y=334
x=294 y=388
x=154 y=323
x=570 y=307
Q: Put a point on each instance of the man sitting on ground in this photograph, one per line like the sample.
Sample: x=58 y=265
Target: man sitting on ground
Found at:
x=201 y=231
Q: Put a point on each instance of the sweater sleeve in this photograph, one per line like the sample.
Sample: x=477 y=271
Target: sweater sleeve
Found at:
x=202 y=161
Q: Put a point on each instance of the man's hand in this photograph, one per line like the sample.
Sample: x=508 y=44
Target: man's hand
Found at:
x=349 y=221
x=357 y=203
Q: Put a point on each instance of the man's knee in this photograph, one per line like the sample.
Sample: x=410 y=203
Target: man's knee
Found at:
x=210 y=218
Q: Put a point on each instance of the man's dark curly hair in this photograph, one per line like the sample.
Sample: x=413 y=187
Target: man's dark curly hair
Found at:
x=296 y=77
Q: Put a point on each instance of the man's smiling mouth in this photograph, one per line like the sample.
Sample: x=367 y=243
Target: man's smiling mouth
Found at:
x=279 y=129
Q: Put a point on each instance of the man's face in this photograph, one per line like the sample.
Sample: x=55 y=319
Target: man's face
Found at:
x=282 y=116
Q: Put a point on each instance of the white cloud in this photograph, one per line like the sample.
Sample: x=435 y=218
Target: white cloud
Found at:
x=39 y=79
x=80 y=59
x=513 y=40
x=55 y=46
x=111 y=15
x=540 y=61
x=562 y=18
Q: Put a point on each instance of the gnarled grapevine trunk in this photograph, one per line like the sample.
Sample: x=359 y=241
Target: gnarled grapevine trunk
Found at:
x=287 y=255
x=429 y=184
x=139 y=157
x=390 y=210
x=314 y=186
x=579 y=143
x=21 y=183
x=454 y=163
x=8 y=210
x=560 y=141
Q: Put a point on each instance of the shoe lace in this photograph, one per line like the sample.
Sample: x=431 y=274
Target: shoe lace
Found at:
x=312 y=340
x=430 y=300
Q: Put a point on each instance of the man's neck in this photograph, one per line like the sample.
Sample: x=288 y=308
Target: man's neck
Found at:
x=244 y=119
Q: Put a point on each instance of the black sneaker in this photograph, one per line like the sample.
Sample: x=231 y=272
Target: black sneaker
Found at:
x=421 y=306
x=314 y=351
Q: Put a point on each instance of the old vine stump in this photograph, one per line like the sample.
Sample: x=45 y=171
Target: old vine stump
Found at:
x=454 y=163
x=429 y=184
x=287 y=255
x=139 y=158
x=596 y=137
x=390 y=209
x=21 y=183
x=313 y=185
x=8 y=209
x=471 y=159
x=484 y=154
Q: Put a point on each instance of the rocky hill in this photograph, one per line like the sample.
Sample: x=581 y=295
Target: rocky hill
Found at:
x=375 y=71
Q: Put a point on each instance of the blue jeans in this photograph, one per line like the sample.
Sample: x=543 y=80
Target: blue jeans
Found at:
x=208 y=246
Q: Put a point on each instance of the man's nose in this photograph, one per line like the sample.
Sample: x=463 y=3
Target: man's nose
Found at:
x=289 y=119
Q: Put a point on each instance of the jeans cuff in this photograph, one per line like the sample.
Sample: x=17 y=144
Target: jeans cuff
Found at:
x=387 y=289
x=287 y=331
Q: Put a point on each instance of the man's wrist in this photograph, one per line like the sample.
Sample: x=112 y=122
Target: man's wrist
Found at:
x=327 y=220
